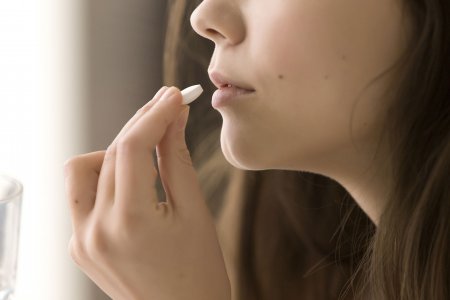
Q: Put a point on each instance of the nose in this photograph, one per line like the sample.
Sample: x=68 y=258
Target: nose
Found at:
x=220 y=21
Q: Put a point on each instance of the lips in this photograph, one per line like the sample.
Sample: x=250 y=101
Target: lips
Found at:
x=222 y=82
x=229 y=91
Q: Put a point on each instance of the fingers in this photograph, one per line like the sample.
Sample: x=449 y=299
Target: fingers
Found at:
x=136 y=173
x=107 y=174
x=140 y=112
x=81 y=177
x=177 y=173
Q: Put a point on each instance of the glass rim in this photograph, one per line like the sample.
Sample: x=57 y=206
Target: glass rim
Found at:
x=17 y=190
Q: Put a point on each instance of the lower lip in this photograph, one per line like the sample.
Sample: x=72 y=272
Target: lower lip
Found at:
x=226 y=95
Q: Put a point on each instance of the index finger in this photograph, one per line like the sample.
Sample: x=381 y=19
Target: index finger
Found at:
x=136 y=175
x=107 y=174
x=140 y=112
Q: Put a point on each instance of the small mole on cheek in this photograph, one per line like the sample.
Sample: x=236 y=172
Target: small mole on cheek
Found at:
x=281 y=76
x=344 y=57
x=326 y=77
x=76 y=201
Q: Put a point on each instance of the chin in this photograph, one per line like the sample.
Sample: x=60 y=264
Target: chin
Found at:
x=241 y=156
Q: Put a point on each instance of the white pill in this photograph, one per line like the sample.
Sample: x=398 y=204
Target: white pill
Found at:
x=191 y=93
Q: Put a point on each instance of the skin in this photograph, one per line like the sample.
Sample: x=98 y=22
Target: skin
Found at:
x=129 y=244
x=308 y=61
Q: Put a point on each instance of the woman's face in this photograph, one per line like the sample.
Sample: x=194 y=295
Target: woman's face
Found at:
x=307 y=61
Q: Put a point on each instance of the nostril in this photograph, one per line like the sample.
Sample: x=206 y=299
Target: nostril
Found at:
x=212 y=33
x=218 y=21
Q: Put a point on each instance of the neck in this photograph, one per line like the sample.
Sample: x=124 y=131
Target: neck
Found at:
x=365 y=173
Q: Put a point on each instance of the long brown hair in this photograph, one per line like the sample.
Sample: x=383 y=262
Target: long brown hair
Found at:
x=293 y=243
x=410 y=254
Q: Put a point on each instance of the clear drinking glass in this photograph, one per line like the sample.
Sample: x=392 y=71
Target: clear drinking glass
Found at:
x=10 y=206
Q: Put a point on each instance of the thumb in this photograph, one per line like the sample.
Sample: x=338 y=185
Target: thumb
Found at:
x=177 y=172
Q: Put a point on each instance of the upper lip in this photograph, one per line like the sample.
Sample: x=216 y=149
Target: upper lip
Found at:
x=221 y=81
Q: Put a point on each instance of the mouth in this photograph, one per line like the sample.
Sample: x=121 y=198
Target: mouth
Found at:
x=229 y=91
x=224 y=83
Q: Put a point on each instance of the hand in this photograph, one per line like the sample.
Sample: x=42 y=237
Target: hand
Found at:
x=129 y=244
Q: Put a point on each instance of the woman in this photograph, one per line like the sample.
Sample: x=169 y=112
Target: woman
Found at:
x=361 y=98
x=305 y=256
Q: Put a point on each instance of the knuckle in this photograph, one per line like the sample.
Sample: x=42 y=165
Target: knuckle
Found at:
x=77 y=251
x=91 y=246
x=97 y=244
x=110 y=154
x=144 y=109
x=128 y=144
x=71 y=165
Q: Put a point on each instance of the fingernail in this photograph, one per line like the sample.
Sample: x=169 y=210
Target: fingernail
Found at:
x=170 y=92
x=160 y=93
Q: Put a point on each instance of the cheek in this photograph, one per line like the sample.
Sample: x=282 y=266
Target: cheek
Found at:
x=311 y=65
x=325 y=45
x=292 y=44
x=297 y=114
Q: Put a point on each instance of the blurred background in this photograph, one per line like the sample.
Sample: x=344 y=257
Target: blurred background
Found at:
x=71 y=74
